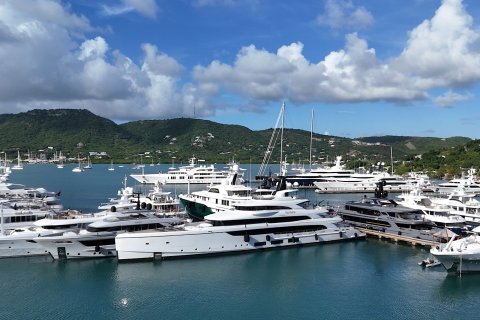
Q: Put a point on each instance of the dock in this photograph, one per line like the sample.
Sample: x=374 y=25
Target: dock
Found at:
x=367 y=190
x=399 y=238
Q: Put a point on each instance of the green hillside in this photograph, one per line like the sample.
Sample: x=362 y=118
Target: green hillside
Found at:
x=78 y=132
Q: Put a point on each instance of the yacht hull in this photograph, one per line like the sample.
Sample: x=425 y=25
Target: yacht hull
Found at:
x=20 y=248
x=82 y=247
x=165 y=245
x=196 y=210
x=463 y=256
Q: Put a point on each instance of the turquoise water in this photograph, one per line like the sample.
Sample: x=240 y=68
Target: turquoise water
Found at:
x=369 y=279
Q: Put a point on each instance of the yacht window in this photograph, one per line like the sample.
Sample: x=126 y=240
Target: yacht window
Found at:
x=259 y=220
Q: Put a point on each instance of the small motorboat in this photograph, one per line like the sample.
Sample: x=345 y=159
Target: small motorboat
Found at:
x=429 y=262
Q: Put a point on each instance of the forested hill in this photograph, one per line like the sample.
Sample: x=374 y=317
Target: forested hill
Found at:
x=79 y=131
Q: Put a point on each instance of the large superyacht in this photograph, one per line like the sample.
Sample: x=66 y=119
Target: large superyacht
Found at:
x=235 y=231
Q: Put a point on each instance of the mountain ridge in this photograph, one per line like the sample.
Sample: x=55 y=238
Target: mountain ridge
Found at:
x=79 y=131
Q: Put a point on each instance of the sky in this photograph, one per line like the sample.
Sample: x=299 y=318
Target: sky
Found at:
x=365 y=68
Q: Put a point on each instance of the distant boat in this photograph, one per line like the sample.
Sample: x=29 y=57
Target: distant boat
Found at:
x=19 y=165
x=60 y=161
x=111 y=167
x=89 y=164
x=79 y=168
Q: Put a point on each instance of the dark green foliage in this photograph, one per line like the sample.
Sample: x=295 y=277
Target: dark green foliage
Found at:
x=79 y=131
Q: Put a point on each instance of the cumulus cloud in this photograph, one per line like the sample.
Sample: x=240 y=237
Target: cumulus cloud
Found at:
x=341 y=14
x=450 y=98
x=49 y=68
x=442 y=51
x=54 y=63
x=349 y=75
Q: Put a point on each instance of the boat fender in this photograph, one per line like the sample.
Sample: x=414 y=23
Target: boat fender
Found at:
x=246 y=238
x=143 y=205
x=356 y=235
x=341 y=234
x=113 y=209
x=149 y=206
x=399 y=233
x=268 y=238
x=97 y=248
x=316 y=237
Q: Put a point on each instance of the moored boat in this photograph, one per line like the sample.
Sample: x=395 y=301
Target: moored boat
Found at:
x=460 y=255
x=236 y=232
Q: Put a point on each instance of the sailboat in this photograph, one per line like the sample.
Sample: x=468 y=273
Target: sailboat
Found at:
x=60 y=161
x=89 y=164
x=79 y=168
x=111 y=166
x=19 y=165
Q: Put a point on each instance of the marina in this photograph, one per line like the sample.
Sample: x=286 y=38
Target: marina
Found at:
x=296 y=278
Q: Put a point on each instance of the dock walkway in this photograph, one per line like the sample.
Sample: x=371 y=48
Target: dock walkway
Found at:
x=399 y=238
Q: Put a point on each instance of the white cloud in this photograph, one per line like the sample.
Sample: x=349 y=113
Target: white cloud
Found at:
x=341 y=14
x=48 y=68
x=450 y=98
x=95 y=48
x=350 y=75
x=54 y=63
x=160 y=63
x=147 y=8
x=442 y=51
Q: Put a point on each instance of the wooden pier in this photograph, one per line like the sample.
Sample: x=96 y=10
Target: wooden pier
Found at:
x=399 y=238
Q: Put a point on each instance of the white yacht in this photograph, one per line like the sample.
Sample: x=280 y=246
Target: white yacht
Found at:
x=98 y=239
x=468 y=182
x=13 y=218
x=231 y=196
x=368 y=182
x=463 y=204
x=19 y=241
x=460 y=255
x=320 y=173
x=437 y=213
x=158 y=200
x=235 y=231
x=192 y=173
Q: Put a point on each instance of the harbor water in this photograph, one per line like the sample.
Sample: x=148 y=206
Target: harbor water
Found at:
x=371 y=279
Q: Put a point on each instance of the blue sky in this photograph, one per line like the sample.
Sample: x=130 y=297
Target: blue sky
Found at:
x=366 y=68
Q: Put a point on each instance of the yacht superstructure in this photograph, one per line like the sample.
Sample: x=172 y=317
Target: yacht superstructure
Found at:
x=193 y=173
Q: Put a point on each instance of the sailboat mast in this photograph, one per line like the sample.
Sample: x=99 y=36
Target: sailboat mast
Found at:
x=311 y=140
x=391 y=157
x=281 y=138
